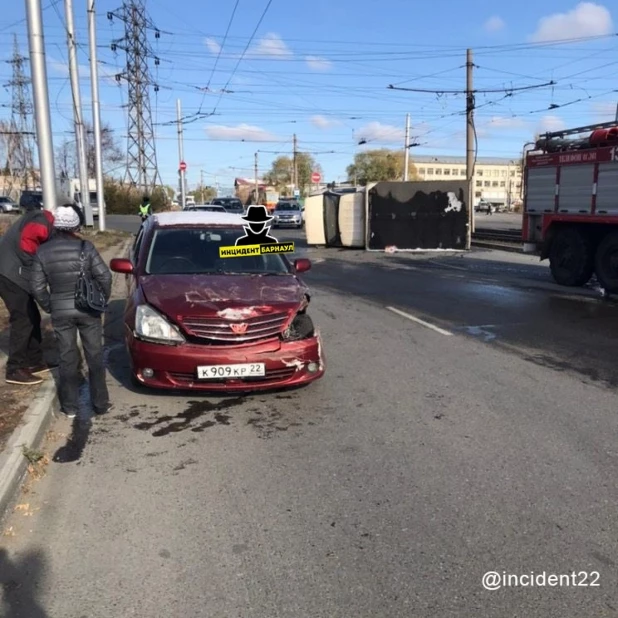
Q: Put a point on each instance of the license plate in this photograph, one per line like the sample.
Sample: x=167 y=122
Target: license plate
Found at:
x=216 y=372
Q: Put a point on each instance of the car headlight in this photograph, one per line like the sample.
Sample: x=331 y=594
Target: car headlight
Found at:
x=152 y=326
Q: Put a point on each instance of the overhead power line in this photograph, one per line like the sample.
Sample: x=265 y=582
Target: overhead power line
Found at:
x=244 y=52
x=483 y=91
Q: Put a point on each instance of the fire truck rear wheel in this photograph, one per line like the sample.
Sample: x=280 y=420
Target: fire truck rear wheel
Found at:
x=606 y=263
x=571 y=258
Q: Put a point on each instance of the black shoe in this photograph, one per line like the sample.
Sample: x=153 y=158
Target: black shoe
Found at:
x=23 y=377
x=105 y=410
x=41 y=369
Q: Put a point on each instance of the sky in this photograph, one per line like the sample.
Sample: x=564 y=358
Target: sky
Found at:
x=322 y=70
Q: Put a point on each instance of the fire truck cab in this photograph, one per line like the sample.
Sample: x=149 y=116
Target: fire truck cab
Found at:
x=570 y=211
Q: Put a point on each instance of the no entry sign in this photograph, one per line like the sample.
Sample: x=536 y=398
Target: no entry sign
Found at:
x=315 y=178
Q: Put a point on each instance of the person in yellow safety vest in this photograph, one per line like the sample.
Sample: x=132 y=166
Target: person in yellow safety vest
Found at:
x=145 y=209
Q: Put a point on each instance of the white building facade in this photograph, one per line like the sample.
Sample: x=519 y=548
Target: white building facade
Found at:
x=495 y=180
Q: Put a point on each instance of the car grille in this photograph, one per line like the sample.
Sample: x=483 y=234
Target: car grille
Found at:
x=272 y=374
x=219 y=329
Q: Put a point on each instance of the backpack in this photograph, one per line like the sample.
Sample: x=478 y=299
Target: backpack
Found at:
x=88 y=294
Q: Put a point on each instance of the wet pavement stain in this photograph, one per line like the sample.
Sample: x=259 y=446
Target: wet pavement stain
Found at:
x=222 y=419
x=202 y=426
x=194 y=411
x=127 y=417
x=183 y=464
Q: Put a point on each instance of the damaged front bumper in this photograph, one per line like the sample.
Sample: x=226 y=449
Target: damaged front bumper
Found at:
x=287 y=364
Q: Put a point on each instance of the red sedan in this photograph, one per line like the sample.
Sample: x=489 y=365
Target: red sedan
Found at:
x=196 y=321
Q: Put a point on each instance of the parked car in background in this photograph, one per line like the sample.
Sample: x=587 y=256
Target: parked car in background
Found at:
x=288 y=214
x=31 y=198
x=7 y=205
x=231 y=204
x=194 y=320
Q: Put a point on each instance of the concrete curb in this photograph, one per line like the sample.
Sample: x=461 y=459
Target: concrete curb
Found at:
x=30 y=432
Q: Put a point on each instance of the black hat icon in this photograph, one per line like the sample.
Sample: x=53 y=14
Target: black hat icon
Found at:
x=257 y=214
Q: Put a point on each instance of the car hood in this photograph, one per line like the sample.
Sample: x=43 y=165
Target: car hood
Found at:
x=233 y=297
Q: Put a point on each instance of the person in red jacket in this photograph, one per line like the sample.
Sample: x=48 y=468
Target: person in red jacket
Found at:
x=18 y=247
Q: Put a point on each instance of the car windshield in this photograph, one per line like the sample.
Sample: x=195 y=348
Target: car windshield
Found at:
x=180 y=251
x=287 y=207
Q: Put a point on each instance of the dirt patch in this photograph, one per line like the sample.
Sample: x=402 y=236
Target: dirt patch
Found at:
x=14 y=400
x=105 y=240
x=12 y=409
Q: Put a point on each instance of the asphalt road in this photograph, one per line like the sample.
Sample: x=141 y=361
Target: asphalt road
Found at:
x=482 y=439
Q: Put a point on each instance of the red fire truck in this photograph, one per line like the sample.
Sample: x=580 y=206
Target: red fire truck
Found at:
x=571 y=204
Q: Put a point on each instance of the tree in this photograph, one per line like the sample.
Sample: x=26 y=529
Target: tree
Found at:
x=203 y=194
x=379 y=165
x=281 y=174
x=122 y=199
x=66 y=153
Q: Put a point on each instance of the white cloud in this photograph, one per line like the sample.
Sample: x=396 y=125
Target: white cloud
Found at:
x=378 y=132
x=322 y=122
x=505 y=122
x=272 y=45
x=494 y=24
x=213 y=46
x=317 y=63
x=585 y=20
x=62 y=68
x=548 y=124
x=240 y=133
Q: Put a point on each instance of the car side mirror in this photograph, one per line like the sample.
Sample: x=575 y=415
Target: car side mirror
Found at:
x=302 y=265
x=121 y=265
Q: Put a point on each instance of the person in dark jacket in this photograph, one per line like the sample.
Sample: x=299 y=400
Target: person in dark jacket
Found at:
x=18 y=246
x=55 y=272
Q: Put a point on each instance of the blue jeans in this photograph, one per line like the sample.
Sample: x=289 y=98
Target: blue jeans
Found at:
x=90 y=330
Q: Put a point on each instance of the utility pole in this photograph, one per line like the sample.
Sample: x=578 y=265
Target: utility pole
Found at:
x=80 y=136
x=470 y=150
x=181 y=155
x=36 y=43
x=96 y=112
x=257 y=188
x=295 y=164
x=202 y=186
x=406 y=158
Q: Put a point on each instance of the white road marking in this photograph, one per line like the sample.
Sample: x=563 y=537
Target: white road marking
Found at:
x=403 y=314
